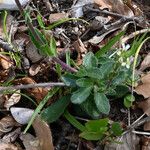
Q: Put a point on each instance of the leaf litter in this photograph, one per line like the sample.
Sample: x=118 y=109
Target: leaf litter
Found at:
x=21 y=64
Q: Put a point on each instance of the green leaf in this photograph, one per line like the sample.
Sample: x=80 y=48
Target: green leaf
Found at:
x=109 y=45
x=44 y=48
x=102 y=102
x=95 y=73
x=107 y=68
x=116 y=129
x=90 y=60
x=80 y=95
x=53 y=46
x=54 y=111
x=40 y=21
x=69 y=79
x=96 y=125
x=88 y=135
x=84 y=82
x=90 y=108
x=121 y=90
x=74 y=121
x=40 y=107
x=128 y=100
x=120 y=78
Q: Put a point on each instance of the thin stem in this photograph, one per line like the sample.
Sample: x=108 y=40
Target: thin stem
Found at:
x=27 y=86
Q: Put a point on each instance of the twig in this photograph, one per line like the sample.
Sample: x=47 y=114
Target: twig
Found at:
x=114 y=14
x=55 y=59
x=141 y=133
x=132 y=35
x=27 y=86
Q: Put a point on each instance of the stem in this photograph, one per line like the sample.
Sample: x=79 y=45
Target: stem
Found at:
x=27 y=86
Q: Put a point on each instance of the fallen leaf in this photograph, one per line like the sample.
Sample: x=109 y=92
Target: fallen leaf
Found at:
x=57 y=16
x=43 y=134
x=147 y=126
x=34 y=69
x=144 y=88
x=129 y=141
x=5 y=61
x=6 y=124
x=30 y=142
x=14 y=99
x=145 y=106
x=80 y=48
x=32 y=53
x=145 y=63
x=145 y=143
x=38 y=93
x=117 y=6
x=12 y=136
x=7 y=146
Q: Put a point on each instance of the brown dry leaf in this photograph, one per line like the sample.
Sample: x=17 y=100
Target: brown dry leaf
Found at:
x=5 y=61
x=37 y=92
x=12 y=136
x=147 y=126
x=43 y=134
x=32 y=53
x=144 y=88
x=145 y=143
x=145 y=106
x=145 y=63
x=117 y=6
x=129 y=141
x=80 y=48
x=14 y=99
x=30 y=142
x=57 y=16
x=34 y=69
x=7 y=146
x=6 y=124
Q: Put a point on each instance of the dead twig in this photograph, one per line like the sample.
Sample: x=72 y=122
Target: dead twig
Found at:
x=126 y=18
x=27 y=86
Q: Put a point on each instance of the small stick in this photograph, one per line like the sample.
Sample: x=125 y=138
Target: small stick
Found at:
x=114 y=14
x=27 y=86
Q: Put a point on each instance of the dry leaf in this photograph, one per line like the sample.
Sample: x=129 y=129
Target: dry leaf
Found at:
x=21 y=115
x=57 y=16
x=145 y=63
x=30 y=142
x=32 y=53
x=147 y=126
x=6 y=146
x=129 y=141
x=6 y=124
x=144 y=88
x=12 y=136
x=34 y=69
x=14 y=99
x=38 y=93
x=43 y=134
x=145 y=106
x=5 y=61
x=145 y=143
x=79 y=46
x=117 y=6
